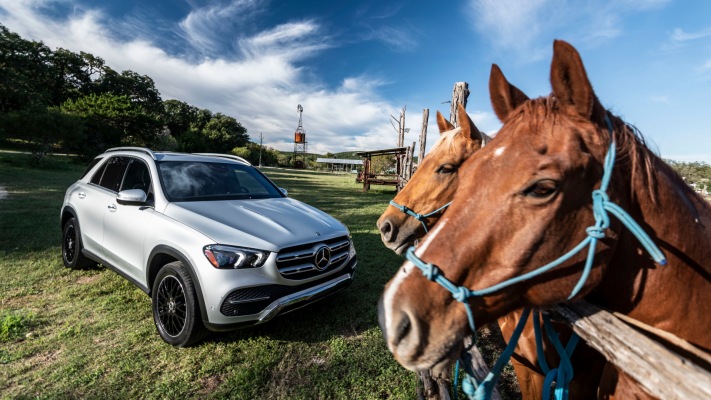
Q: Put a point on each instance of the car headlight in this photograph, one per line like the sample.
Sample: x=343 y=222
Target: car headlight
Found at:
x=352 y=250
x=231 y=257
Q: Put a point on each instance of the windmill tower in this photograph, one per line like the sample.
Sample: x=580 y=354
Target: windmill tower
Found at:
x=299 y=142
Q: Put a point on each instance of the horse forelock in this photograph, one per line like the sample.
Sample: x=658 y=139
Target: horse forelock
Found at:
x=446 y=140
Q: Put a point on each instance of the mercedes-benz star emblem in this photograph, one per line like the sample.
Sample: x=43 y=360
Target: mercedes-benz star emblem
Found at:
x=322 y=258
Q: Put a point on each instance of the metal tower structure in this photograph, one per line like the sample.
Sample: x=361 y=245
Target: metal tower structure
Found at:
x=299 y=158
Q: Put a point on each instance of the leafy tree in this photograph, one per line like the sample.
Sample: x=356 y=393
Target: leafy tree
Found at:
x=380 y=164
x=71 y=75
x=109 y=121
x=24 y=72
x=224 y=133
x=692 y=172
x=42 y=128
x=243 y=152
x=140 y=89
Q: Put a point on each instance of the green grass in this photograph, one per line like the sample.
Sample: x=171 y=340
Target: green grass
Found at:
x=90 y=334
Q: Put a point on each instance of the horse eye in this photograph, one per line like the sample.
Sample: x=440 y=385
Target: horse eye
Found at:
x=447 y=169
x=542 y=189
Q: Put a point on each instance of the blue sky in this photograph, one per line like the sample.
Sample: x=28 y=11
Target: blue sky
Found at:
x=353 y=64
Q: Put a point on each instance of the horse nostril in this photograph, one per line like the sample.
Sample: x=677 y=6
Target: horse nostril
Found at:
x=387 y=230
x=402 y=324
x=403 y=328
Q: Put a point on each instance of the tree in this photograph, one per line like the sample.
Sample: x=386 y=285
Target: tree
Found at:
x=140 y=89
x=224 y=133
x=42 y=128
x=243 y=152
x=71 y=75
x=110 y=120
x=692 y=172
x=24 y=72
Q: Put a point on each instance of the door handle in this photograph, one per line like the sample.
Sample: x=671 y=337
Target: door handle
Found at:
x=81 y=195
x=112 y=207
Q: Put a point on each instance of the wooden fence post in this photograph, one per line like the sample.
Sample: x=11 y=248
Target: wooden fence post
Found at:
x=423 y=135
x=460 y=94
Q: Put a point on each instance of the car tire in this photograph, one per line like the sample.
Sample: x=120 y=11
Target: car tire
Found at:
x=176 y=311
x=72 y=255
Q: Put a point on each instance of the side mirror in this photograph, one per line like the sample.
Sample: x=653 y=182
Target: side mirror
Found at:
x=132 y=197
x=286 y=192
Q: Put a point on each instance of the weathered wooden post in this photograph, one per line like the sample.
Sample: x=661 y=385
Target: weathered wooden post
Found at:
x=423 y=135
x=460 y=94
x=399 y=169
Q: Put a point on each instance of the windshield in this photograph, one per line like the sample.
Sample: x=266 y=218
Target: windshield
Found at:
x=200 y=181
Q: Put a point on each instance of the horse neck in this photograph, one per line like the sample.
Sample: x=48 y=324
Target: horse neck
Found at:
x=679 y=221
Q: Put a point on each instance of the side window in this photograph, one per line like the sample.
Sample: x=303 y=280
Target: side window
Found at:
x=115 y=168
x=96 y=179
x=137 y=176
x=93 y=163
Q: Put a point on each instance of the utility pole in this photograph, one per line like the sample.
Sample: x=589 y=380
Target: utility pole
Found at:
x=261 y=138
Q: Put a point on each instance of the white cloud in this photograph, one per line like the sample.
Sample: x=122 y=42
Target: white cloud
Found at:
x=260 y=87
x=509 y=24
x=205 y=26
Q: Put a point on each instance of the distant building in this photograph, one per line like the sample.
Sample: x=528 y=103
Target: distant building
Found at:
x=338 y=164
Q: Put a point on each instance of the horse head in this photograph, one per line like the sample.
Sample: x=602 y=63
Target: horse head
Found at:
x=433 y=184
x=536 y=204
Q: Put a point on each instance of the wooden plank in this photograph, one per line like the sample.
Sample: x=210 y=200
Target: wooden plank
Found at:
x=659 y=371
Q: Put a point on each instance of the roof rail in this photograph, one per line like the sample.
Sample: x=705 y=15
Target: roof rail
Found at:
x=139 y=149
x=230 y=156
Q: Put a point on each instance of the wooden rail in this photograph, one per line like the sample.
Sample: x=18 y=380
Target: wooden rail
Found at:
x=661 y=372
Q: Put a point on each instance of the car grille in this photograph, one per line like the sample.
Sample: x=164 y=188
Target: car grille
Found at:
x=307 y=261
x=253 y=300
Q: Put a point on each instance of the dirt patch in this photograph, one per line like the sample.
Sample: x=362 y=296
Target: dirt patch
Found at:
x=210 y=384
x=83 y=280
x=40 y=359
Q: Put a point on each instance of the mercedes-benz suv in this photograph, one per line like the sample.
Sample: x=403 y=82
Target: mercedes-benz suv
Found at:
x=209 y=237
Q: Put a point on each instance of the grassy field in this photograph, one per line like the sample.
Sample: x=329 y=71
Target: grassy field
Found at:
x=90 y=333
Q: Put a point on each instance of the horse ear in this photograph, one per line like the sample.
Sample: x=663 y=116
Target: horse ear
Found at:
x=570 y=81
x=505 y=97
x=443 y=124
x=467 y=125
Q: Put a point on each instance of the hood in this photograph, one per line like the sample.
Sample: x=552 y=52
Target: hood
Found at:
x=266 y=224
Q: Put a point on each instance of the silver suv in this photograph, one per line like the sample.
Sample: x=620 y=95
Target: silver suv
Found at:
x=209 y=237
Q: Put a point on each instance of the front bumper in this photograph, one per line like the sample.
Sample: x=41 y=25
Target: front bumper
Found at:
x=256 y=305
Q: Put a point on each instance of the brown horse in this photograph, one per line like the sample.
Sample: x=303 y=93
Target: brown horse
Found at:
x=433 y=184
x=431 y=188
x=547 y=160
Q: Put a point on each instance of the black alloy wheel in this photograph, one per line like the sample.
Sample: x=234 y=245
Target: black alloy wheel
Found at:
x=176 y=311
x=72 y=255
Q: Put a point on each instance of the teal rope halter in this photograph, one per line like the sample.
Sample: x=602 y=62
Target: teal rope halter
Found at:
x=419 y=217
x=601 y=207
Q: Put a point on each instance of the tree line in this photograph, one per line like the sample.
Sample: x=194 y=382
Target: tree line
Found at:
x=59 y=99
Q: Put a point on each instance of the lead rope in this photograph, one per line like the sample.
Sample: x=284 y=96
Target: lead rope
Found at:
x=601 y=207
